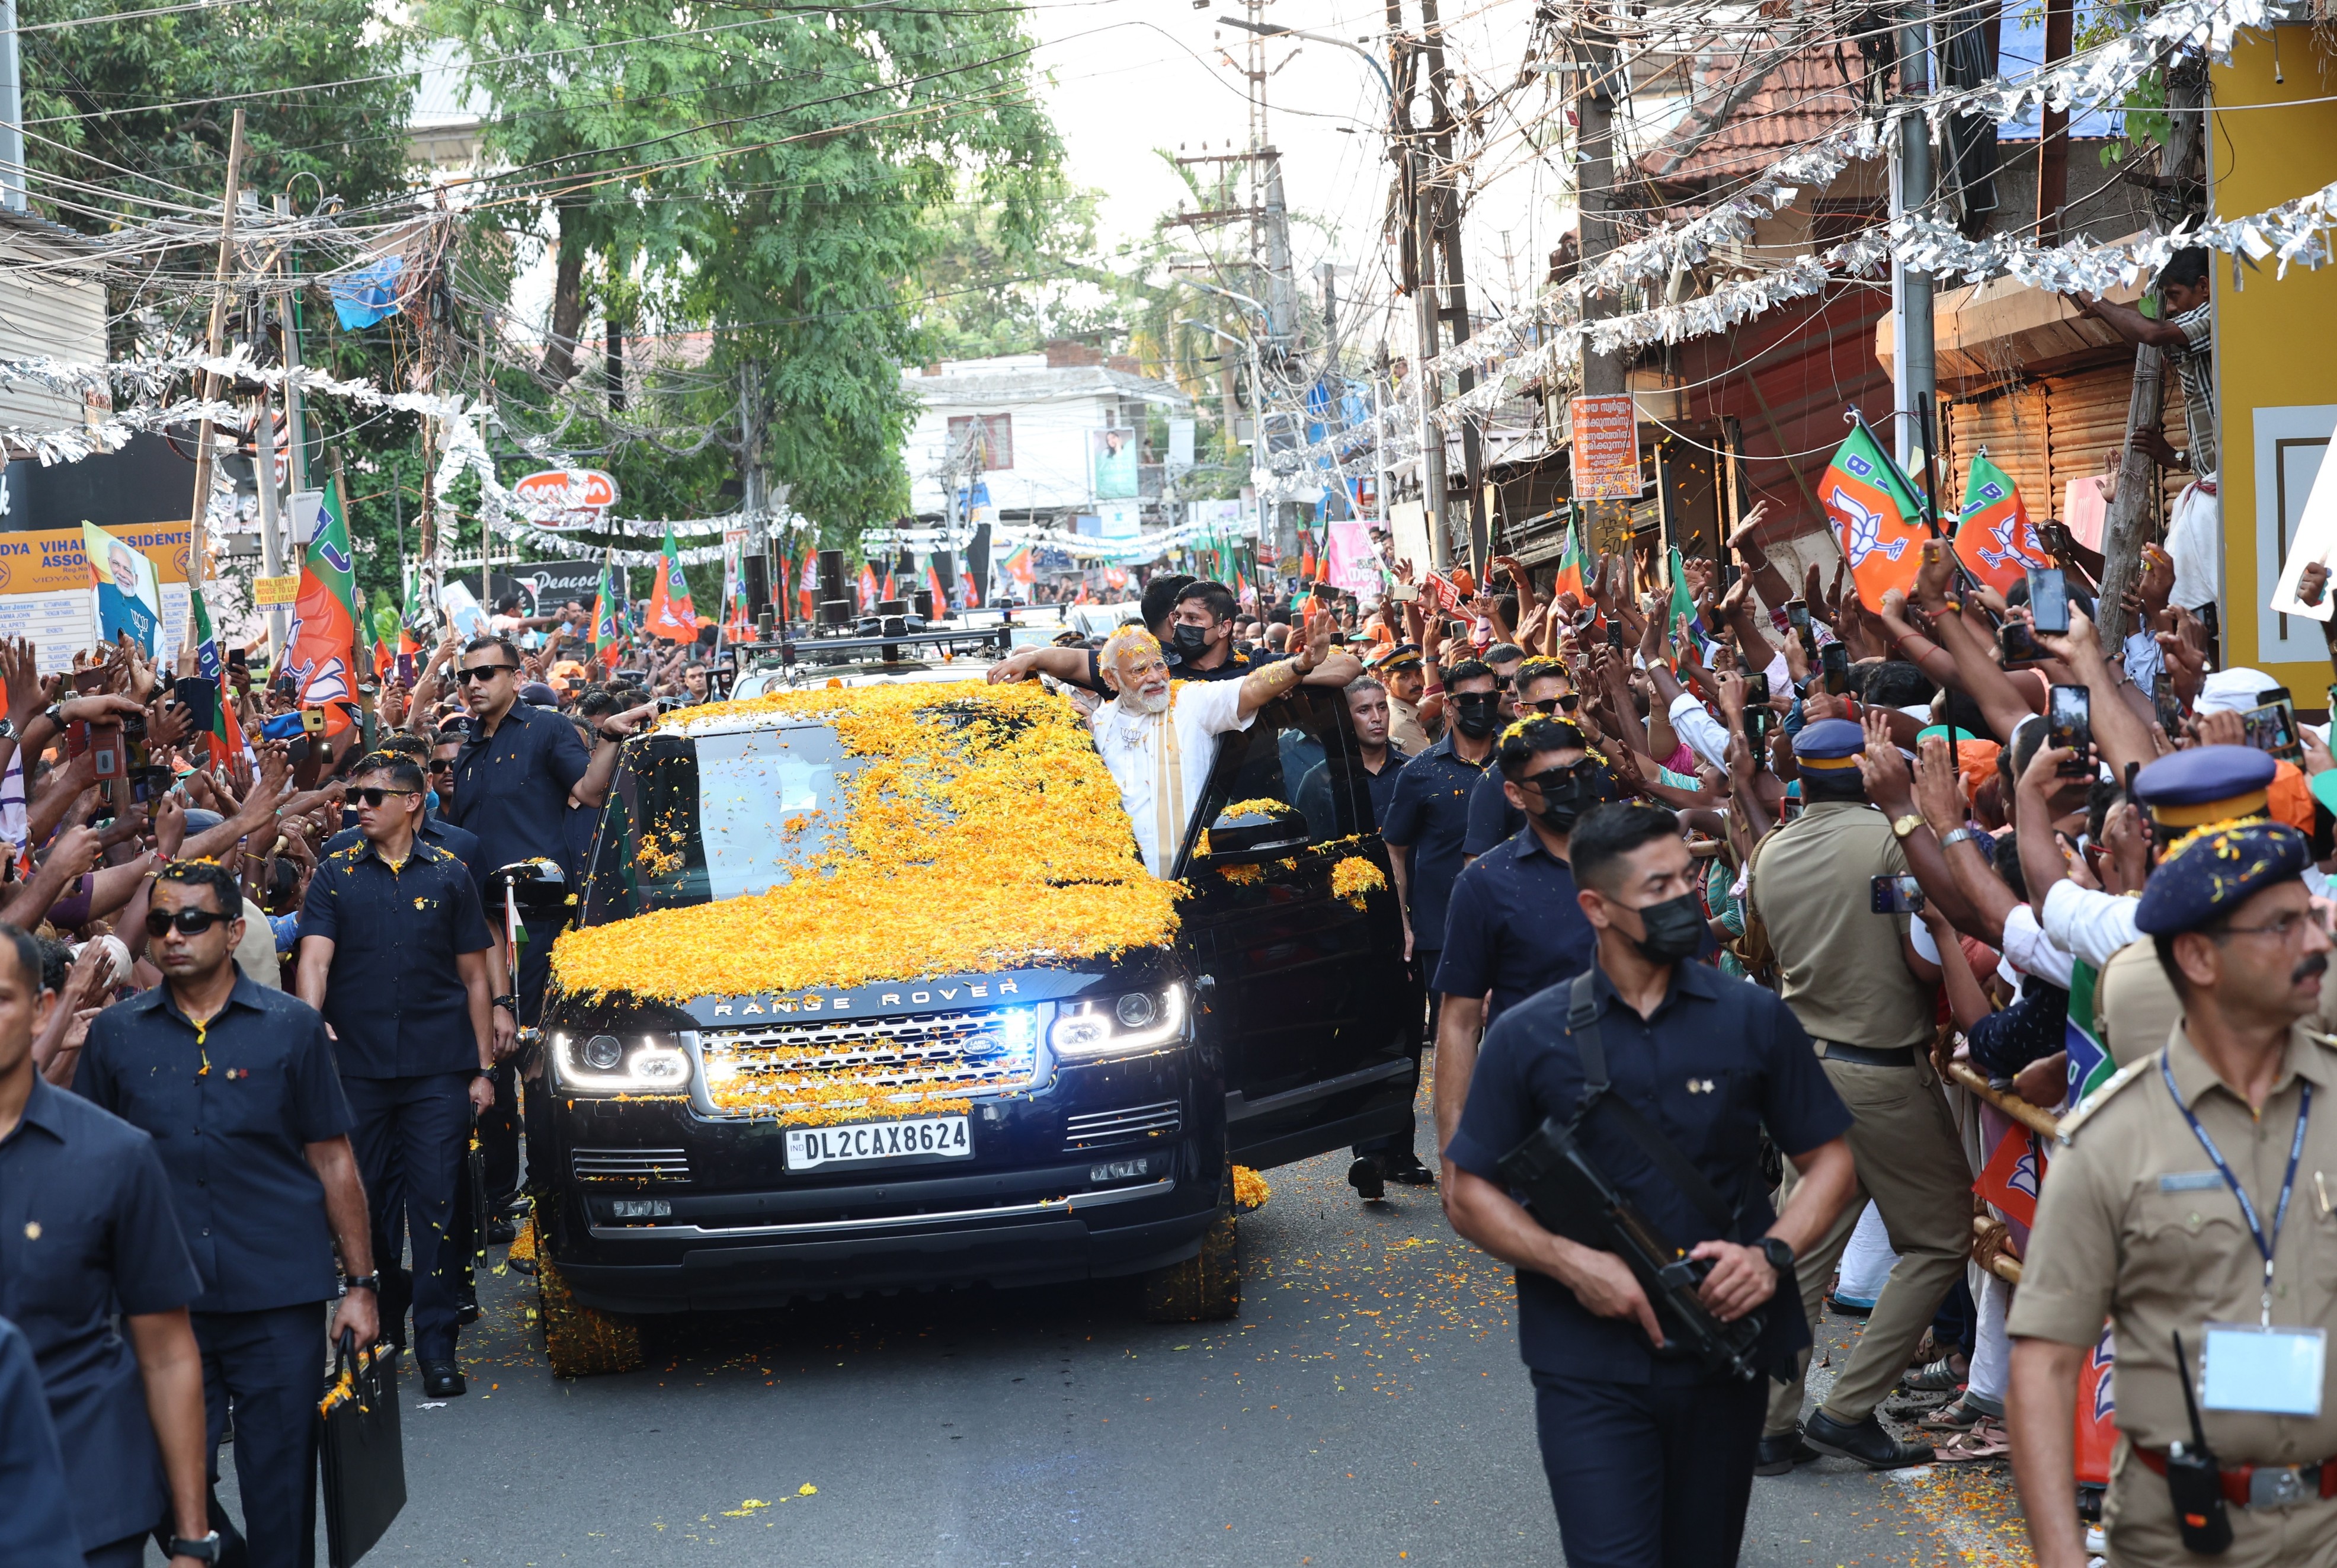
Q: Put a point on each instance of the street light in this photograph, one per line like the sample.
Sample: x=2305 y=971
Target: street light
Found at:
x=1257 y=400
x=1271 y=31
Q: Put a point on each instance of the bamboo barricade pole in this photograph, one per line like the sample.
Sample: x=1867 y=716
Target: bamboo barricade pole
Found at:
x=206 y=383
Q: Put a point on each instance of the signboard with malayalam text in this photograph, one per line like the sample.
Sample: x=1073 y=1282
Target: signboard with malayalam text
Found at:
x=1607 y=448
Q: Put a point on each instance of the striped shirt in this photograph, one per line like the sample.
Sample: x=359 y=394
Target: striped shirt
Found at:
x=2195 y=363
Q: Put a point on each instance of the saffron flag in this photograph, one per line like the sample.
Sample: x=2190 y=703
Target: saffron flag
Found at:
x=673 y=618
x=808 y=584
x=1569 y=569
x=968 y=591
x=1019 y=569
x=889 y=594
x=608 y=633
x=868 y=588
x=1994 y=538
x=934 y=586
x=2010 y=1179
x=320 y=647
x=1877 y=519
x=225 y=740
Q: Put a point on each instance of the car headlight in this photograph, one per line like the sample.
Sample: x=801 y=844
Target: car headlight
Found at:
x=609 y=1064
x=1108 y=1025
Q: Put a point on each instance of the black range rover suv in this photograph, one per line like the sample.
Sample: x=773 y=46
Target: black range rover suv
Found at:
x=1104 y=1101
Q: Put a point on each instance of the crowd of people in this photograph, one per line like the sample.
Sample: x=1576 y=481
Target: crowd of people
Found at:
x=1799 y=911
x=276 y=964
x=1862 y=897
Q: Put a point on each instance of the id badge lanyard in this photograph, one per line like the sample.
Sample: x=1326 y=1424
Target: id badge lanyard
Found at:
x=2264 y=1243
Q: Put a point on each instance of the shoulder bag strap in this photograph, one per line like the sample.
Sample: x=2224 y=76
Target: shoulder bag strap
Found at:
x=1582 y=1024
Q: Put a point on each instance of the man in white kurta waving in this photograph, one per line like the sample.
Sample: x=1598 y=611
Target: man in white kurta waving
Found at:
x=1159 y=740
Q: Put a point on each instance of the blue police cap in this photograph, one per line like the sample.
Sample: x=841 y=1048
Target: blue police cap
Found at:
x=2205 y=784
x=2215 y=869
x=1829 y=743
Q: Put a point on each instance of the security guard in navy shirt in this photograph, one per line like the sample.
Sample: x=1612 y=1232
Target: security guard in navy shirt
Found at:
x=36 y=1527
x=87 y=1232
x=1544 y=689
x=235 y=1083
x=1649 y=1457
x=395 y=952
x=1429 y=818
x=1513 y=927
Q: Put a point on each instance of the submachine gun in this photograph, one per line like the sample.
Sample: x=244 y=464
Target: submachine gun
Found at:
x=1571 y=1196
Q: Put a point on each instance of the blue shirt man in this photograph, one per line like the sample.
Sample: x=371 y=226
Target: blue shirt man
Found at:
x=1428 y=820
x=1649 y=1454
x=235 y=1083
x=394 y=952
x=37 y=1528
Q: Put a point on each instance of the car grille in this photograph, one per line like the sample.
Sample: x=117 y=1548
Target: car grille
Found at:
x=1101 y=1127
x=856 y=1069
x=630 y=1165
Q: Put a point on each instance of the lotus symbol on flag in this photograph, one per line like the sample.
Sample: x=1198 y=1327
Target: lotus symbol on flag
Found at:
x=1864 y=532
x=2011 y=555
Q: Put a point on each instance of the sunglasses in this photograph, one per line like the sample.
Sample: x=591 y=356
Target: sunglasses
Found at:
x=1551 y=704
x=442 y=764
x=485 y=671
x=375 y=795
x=190 y=921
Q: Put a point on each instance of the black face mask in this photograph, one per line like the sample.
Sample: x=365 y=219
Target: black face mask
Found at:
x=1475 y=713
x=1191 y=641
x=1568 y=792
x=1675 y=929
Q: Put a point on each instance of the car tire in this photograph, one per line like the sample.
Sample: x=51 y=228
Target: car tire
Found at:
x=1205 y=1288
x=579 y=1341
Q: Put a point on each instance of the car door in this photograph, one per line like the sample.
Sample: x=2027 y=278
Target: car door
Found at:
x=1320 y=1016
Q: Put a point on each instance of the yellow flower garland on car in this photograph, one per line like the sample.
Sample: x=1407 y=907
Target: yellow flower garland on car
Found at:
x=1354 y=878
x=984 y=833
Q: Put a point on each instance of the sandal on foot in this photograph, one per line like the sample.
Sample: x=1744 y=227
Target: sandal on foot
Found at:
x=1939 y=1376
x=1955 y=1416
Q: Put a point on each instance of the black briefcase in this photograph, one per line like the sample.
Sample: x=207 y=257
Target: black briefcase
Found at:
x=365 y=1458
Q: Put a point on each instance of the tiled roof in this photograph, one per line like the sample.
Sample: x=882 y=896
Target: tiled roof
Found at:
x=1804 y=99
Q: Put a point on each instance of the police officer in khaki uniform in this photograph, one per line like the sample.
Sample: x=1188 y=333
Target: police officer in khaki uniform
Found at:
x=1856 y=983
x=2191 y=1201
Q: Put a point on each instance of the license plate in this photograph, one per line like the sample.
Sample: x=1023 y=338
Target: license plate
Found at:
x=927 y=1137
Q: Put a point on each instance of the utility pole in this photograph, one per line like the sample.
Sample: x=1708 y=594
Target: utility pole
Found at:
x=1913 y=378
x=12 y=112
x=1594 y=111
x=295 y=425
x=271 y=511
x=207 y=385
x=1442 y=198
x=753 y=498
x=1417 y=269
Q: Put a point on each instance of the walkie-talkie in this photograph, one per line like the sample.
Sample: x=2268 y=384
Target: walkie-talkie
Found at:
x=2193 y=1480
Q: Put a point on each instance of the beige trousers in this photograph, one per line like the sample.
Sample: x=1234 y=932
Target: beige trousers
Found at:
x=1910 y=1162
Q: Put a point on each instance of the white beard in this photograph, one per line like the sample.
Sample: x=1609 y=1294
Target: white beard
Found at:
x=1149 y=703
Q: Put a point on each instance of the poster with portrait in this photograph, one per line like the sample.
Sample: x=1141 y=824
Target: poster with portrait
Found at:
x=1112 y=464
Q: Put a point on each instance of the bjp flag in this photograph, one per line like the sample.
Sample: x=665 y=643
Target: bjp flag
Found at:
x=807 y=585
x=1569 y=569
x=1877 y=519
x=868 y=590
x=1994 y=538
x=319 y=650
x=671 y=618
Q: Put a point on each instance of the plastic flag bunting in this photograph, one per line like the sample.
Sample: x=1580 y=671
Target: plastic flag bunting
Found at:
x=868 y=588
x=1877 y=519
x=319 y=648
x=673 y=618
x=1994 y=538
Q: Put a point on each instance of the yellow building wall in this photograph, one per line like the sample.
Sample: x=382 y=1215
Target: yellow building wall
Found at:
x=2275 y=343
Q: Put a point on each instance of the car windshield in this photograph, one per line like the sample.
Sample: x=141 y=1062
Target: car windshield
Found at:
x=691 y=819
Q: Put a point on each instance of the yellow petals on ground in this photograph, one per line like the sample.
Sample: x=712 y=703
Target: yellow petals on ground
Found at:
x=1250 y=1191
x=984 y=833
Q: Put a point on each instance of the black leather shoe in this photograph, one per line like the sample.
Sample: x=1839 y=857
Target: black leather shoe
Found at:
x=1866 y=1442
x=1407 y=1169
x=1364 y=1177
x=444 y=1381
x=467 y=1304
x=499 y=1231
x=1782 y=1452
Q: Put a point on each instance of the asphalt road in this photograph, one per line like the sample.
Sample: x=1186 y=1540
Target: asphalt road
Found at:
x=1368 y=1406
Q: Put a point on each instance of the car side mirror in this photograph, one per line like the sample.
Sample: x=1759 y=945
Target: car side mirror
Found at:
x=1251 y=831
x=537 y=886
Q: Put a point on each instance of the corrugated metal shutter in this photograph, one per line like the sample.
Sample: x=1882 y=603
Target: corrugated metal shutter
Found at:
x=55 y=316
x=2047 y=432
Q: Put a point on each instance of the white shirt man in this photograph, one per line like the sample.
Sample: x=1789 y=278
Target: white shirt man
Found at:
x=1160 y=756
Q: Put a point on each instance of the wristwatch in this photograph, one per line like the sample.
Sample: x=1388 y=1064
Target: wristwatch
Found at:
x=1956 y=836
x=201 y=1548
x=363 y=1282
x=508 y=1003
x=1902 y=826
x=1780 y=1255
